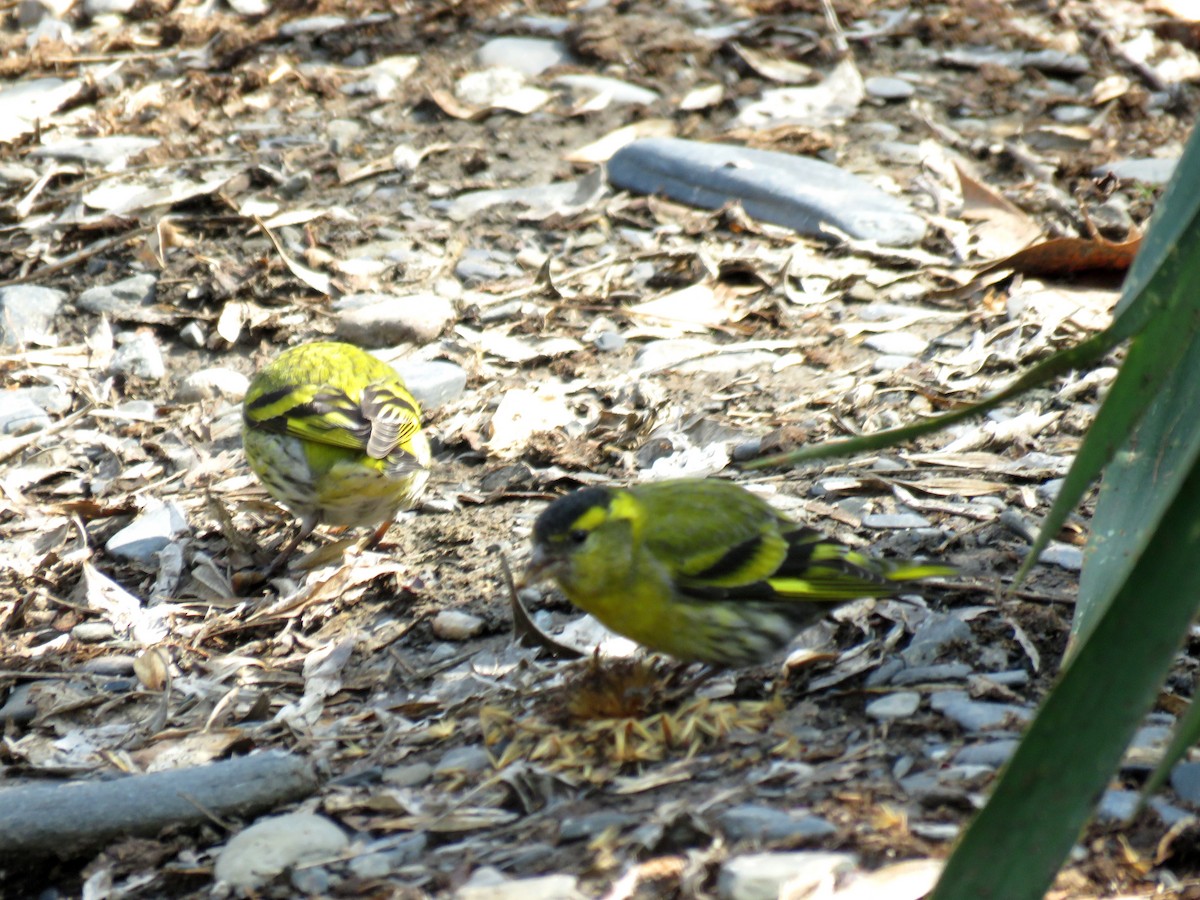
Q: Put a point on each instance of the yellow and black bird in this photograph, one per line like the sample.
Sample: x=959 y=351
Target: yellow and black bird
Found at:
x=702 y=569
x=334 y=435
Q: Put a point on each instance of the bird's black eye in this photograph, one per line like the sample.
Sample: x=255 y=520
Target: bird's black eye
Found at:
x=578 y=536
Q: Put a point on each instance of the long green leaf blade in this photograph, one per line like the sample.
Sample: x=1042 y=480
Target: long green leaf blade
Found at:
x=1016 y=844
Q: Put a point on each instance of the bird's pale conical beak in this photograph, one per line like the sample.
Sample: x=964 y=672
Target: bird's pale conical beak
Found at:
x=538 y=569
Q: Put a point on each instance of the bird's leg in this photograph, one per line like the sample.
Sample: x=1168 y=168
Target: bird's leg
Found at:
x=377 y=535
x=281 y=556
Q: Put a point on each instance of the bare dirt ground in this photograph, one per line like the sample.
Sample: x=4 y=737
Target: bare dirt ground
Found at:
x=448 y=731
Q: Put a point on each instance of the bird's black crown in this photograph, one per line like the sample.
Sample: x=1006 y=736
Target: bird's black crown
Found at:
x=559 y=516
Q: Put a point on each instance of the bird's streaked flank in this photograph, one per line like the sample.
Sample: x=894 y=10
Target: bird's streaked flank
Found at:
x=702 y=569
x=334 y=435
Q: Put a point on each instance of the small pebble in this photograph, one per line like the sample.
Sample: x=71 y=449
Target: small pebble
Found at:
x=120 y=297
x=992 y=753
x=434 y=383
x=1064 y=556
x=886 y=88
x=1185 y=780
x=576 y=828
x=382 y=320
x=207 y=384
x=978 y=715
x=408 y=776
x=754 y=822
x=463 y=759
x=149 y=533
x=453 y=625
x=895 y=520
x=530 y=56
x=894 y=706
x=26 y=312
x=897 y=343
x=138 y=355
x=933 y=637
x=370 y=866
x=759 y=876
x=1117 y=807
x=255 y=855
x=928 y=674
x=93 y=632
x=545 y=887
x=891 y=362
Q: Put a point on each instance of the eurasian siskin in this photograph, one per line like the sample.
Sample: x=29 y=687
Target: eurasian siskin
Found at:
x=334 y=435
x=701 y=569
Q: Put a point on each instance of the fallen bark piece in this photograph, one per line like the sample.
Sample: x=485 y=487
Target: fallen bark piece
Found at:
x=68 y=819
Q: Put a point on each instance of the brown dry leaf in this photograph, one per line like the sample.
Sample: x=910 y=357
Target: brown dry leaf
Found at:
x=785 y=71
x=1001 y=227
x=173 y=750
x=603 y=149
x=1072 y=256
x=151 y=668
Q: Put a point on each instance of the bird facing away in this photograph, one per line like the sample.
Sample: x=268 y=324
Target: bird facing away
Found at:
x=702 y=569
x=334 y=435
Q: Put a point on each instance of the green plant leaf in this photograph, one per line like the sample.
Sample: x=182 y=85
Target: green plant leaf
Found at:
x=1016 y=844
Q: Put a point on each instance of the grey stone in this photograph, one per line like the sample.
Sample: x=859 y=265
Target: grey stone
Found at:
x=148 y=534
x=409 y=775
x=370 y=866
x=935 y=831
x=138 y=355
x=577 y=828
x=1011 y=678
x=463 y=759
x=1152 y=736
x=532 y=56
x=992 y=753
x=1072 y=114
x=456 y=625
x=891 y=362
x=1117 y=807
x=1148 y=171
x=886 y=88
x=20 y=413
x=894 y=706
x=120 y=296
x=620 y=92
x=900 y=152
x=927 y=674
x=933 y=637
x=434 y=383
x=208 y=384
x=477 y=266
x=609 y=341
x=26 y=311
x=753 y=822
x=255 y=855
x=798 y=193
x=899 y=343
x=759 y=876
x=545 y=887
x=1170 y=814
x=895 y=520
x=383 y=320
x=95 y=8
x=19 y=706
x=93 y=632
x=1064 y=556
x=977 y=715
x=192 y=334
x=311 y=881
x=342 y=133
x=1185 y=781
